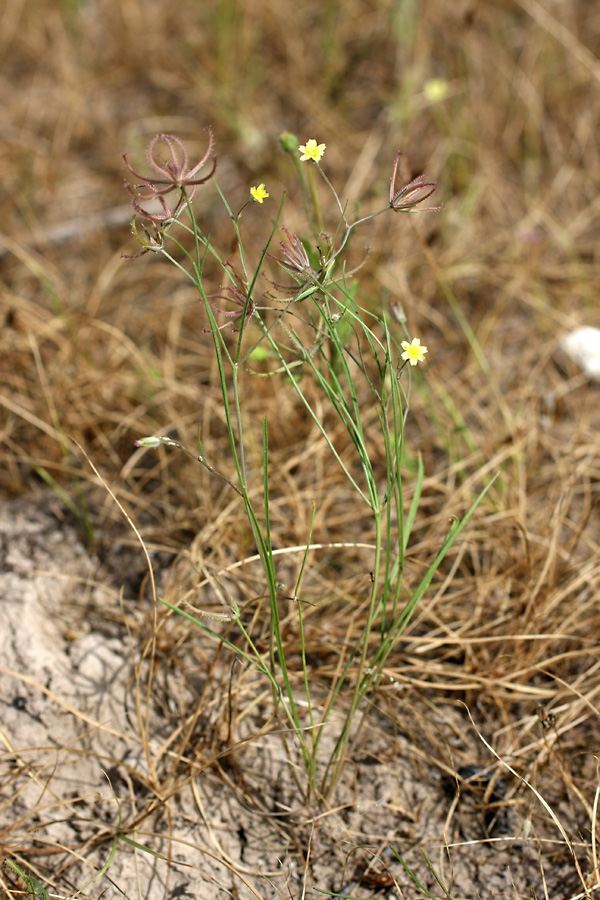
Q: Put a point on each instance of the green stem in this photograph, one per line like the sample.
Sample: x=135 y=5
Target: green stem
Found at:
x=315 y=200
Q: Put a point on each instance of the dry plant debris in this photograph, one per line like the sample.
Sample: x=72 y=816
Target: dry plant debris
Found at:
x=136 y=759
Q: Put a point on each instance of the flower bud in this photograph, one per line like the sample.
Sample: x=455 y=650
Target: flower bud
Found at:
x=288 y=142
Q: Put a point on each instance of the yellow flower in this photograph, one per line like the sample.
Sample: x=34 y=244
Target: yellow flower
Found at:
x=258 y=193
x=413 y=352
x=435 y=90
x=312 y=150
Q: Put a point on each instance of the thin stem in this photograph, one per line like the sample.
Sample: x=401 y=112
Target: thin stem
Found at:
x=315 y=200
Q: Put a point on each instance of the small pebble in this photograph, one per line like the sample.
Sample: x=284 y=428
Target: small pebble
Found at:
x=583 y=347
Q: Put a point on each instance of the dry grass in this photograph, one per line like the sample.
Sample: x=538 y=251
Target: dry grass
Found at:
x=98 y=351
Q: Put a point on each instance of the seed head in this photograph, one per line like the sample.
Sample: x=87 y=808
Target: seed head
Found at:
x=412 y=194
x=172 y=173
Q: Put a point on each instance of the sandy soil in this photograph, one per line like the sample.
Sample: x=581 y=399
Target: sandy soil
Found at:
x=234 y=825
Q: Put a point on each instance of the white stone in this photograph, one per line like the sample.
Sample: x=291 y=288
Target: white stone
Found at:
x=583 y=346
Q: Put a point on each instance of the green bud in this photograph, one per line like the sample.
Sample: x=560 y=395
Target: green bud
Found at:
x=259 y=354
x=288 y=142
x=150 y=442
x=153 y=442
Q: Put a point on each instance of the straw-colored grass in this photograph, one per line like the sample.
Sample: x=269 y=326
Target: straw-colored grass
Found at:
x=499 y=671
